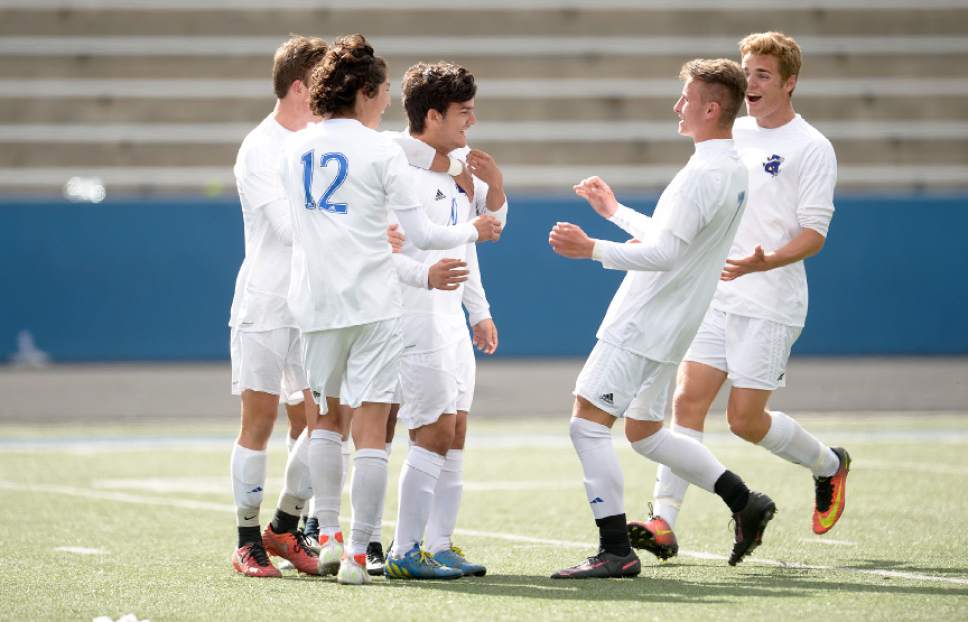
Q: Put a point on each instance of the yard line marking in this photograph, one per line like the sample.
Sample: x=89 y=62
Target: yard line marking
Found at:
x=507 y=537
x=80 y=550
x=828 y=541
x=219 y=486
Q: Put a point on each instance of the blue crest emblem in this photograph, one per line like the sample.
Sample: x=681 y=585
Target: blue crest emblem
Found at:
x=772 y=165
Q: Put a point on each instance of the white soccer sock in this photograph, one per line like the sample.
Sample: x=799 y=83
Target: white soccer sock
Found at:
x=418 y=479
x=446 y=503
x=604 y=481
x=687 y=457
x=377 y=534
x=670 y=489
x=346 y=454
x=326 y=473
x=297 y=485
x=368 y=488
x=290 y=443
x=787 y=438
x=248 y=467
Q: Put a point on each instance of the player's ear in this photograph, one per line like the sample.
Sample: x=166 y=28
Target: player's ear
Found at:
x=298 y=88
x=434 y=117
x=790 y=84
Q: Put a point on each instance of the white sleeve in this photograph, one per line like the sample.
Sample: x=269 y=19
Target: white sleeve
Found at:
x=411 y=272
x=692 y=203
x=658 y=254
x=418 y=153
x=263 y=189
x=473 y=297
x=636 y=224
x=818 y=176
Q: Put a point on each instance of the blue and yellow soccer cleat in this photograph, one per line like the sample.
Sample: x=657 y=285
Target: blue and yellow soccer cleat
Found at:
x=417 y=564
x=454 y=558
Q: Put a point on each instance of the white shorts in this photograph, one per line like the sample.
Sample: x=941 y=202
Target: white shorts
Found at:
x=437 y=383
x=270 y=362
x=753 y=352
x=624 y=384
x=355 y=364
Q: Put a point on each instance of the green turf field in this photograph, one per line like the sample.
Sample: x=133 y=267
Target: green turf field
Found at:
x=150 y=507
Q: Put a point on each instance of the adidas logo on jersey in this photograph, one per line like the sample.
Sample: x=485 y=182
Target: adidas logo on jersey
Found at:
x=440 y=195
x=608 y=398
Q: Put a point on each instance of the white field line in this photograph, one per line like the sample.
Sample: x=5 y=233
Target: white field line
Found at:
x=521 y=176
x=520 y=88
x=506 y=537
x=508 y=131
x=80 y=550
x=477 y=5
x=511 y=47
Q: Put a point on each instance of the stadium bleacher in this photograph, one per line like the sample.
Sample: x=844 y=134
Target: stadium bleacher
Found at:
x=154 y=96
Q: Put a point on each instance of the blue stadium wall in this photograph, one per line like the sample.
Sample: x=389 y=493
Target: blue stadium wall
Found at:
x=153 y=279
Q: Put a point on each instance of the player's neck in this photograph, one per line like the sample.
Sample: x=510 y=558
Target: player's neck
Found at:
x=779 y=117
x=428 y=138
x=292 y=115
x=713 y=133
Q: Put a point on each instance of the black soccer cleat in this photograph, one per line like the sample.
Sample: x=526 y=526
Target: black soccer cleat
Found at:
x=750 y=523
x=375 y=559
x=603 y=566
x=655 y=536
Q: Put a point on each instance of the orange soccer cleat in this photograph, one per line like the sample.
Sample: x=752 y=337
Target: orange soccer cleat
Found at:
x=831 y=496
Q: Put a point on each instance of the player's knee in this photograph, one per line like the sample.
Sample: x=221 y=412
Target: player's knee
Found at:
x=740 y=422
x=689 y=410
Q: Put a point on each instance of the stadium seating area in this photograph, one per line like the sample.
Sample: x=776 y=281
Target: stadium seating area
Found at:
x=155 y=96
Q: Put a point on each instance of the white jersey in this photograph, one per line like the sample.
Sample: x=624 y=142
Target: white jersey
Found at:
x=656 y=314
x=341 y=179
x=792 y=174
x=262 y=284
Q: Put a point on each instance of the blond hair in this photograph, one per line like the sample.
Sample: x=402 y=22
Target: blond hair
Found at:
x=724 y=83
x=775 y=44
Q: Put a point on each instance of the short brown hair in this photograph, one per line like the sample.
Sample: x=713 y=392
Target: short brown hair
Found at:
x=776 y=44
x=349 y=66
x=293 y=61
x=724 y=82
x=434 y=87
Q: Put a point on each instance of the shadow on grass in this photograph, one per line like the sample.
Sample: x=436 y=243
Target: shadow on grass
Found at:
x=898 y=566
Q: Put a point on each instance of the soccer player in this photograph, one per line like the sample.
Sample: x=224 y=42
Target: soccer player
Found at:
x=342 y=177
x=438 y=367
x=760 y=305
x=266 y=347
x=653 y=318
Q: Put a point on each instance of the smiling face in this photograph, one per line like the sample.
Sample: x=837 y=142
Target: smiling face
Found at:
x=454 y=123
x=767 y=94
x=691 y=110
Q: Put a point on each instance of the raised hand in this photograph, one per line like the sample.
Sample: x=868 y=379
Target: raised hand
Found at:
x=569 y=240
x=485 y=168
x=598 y=194
x=735 y=268
x=447 y=274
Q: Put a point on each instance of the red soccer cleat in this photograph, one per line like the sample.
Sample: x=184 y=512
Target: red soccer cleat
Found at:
x=292 y=545
x=831 y=498
x=252 y=561
x=655 y=536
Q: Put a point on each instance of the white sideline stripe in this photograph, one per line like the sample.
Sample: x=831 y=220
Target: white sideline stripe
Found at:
x=507 y=537
x=520 y=88
x=509 y=131
x=221 y=46
x=828 y=541
x=517 y=176
x=476 y=5
x=80 y=550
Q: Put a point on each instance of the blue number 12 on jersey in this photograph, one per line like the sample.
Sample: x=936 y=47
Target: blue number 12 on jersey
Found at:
x=342 y=164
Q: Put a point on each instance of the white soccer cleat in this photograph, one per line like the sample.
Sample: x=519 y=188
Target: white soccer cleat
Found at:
x=330 y=554
x=352 y=571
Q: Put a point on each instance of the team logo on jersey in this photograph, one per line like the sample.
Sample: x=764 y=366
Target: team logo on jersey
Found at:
x=440 y=195
x=772 y=165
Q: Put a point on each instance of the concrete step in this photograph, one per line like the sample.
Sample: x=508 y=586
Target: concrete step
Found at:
x=524 y=20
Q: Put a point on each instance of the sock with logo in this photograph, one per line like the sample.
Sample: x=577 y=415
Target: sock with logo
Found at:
x=418 y=480
x=787 y=439
x=446 y=503
x=670 y=489
x=604 y=482
x=326 y=473
x=687 y=457
x=367 y=489
x=248 y=468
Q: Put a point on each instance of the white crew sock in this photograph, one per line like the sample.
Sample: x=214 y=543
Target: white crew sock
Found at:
x=604 y=481
x=446 y=503
x=787 y=439
x=418 y=479
x=326 y=472
x=346 y=454
x=290 y=443
x=670 y=489
x=368 y=488
x=377 y=534
x=248 y=468
x=297 y=486
x=687 y=457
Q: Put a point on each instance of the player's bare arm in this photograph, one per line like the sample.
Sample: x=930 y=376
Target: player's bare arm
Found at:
x=447 y=274
x=570 y=241
x=486 y=169
x=485 y=336
x=806 y=244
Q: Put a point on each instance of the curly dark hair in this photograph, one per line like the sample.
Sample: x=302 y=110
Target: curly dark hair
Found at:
x=349 y=66
x=435 y=86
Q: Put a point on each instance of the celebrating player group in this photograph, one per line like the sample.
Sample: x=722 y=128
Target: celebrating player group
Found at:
x=360 y=260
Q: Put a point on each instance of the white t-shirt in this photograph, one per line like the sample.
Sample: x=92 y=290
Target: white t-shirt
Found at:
x=792 y=173
x=262 y=285
x=342 y=179
x=656 y=314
